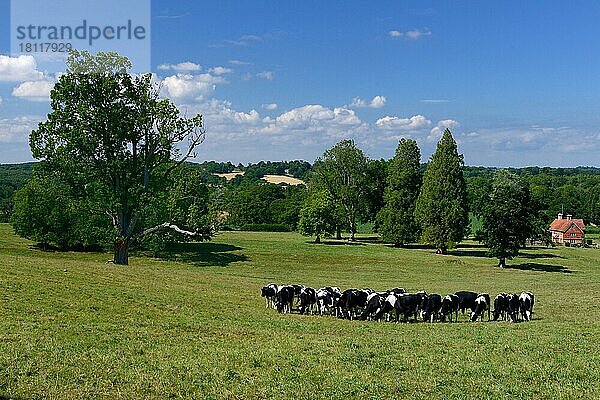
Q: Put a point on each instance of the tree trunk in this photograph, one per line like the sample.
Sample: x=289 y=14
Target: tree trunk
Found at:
x=502 y=262
x=121 y=255
x=338 y=232
x=352 y=230
x=442 y=250
x=318 y=239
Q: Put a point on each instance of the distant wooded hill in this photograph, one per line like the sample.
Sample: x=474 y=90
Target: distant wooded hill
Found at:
x=573 y=190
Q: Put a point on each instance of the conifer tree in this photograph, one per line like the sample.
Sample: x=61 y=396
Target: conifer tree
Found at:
x=442 y=207
x=396 y=219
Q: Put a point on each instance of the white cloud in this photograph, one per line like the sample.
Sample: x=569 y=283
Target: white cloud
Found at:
x=265 y=75
x=220 y=70
x=21 y=68
x=376 y=102
x=436 y=133
x=239 y=62
x=270 y=106
x=190 y=87
x=412 y=34
x=413 y=123
x=0 y=100
x=16 y=130
x=34 y=90
x=184 y=66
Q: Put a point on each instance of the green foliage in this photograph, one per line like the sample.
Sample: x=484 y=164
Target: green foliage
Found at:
x=442 y=209
x=341 y=171
x=506 y=217
x=377 y=171
x=260 y=202
x=115 y=143
x=317 y=216
x=396 y=220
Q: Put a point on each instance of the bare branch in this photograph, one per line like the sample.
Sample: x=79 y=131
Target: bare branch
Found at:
x=168 y=225
x=196 y=141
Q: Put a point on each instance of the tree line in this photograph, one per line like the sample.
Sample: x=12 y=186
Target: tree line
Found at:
x=114 y=171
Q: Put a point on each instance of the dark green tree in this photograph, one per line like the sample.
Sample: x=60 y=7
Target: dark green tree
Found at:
x=507 y=217
x=116 y=144
x=396 y=219
x=317 y=216
x=442 y=209
x=341 y=171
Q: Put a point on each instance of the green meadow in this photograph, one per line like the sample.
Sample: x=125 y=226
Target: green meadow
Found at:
x=192 y=324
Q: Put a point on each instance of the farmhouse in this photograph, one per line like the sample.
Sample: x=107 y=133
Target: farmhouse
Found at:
x=567 y=230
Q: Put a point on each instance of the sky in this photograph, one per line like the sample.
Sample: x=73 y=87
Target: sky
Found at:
x=517 y=83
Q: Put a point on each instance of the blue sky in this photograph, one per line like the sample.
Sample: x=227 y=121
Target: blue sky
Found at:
x=517 y=82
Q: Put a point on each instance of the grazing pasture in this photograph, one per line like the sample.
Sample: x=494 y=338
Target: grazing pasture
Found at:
x=193 y=324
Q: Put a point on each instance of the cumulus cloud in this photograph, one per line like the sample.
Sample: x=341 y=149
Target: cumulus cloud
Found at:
x=412 y=34
x=220 y=70
x=436 y=132
x=34 y=90
x=376 y=102
x=190 y=87
x=413 y=123
x=16 y=130
x=270 y=106
x=21 y=68
x=184 y=66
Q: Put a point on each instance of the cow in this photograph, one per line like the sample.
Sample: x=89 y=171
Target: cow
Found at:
x=526 y=300
x=374 y=304
x=431 y=307
x=308 y=297
x=285 y=298
x=501 y=306
x=351 y=300
x=450 y=306
x=325 y=300
x=466 y=300
x=422 y=299
x=482 y=304
x=407 y=304
x=297 y=290
x=269 y=292
x=513 y=307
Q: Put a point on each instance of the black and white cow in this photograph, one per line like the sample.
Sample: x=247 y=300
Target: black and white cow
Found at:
x=450 y=306
x=308 y=298
x=422 y=299
x=431 y=307
x=514 y=307
x=351 y=301
x=285 y=298
x=325 y=300
x=526 y=300
x=407 y=304
x=501 y=307
x=269 y=292
x=482 y=304
x=466 y=300
x=374 y=304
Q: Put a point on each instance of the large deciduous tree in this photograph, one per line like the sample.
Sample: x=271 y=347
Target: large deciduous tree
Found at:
x=317 y=216
x=442 y=209
x=507 y=217
x=396 y=219
x=117 y=144
x=342 y=172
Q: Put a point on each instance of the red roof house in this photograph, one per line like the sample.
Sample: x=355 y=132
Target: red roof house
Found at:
x=567 y=230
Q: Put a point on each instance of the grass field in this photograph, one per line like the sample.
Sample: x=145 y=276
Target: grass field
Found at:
x=73 y=326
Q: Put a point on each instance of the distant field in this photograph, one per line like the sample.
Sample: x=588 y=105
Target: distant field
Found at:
x=73 y=326
x=276 y=179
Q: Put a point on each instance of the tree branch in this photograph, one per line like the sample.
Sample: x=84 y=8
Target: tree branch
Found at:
x=168 y=225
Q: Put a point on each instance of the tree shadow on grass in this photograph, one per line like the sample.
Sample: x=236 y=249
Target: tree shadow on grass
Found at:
x=203 y=254
x=540 y=267
x=539 y=255
x=337 y=243
x=468 y=253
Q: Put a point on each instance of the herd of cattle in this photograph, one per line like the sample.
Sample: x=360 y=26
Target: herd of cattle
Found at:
x=394 y=304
